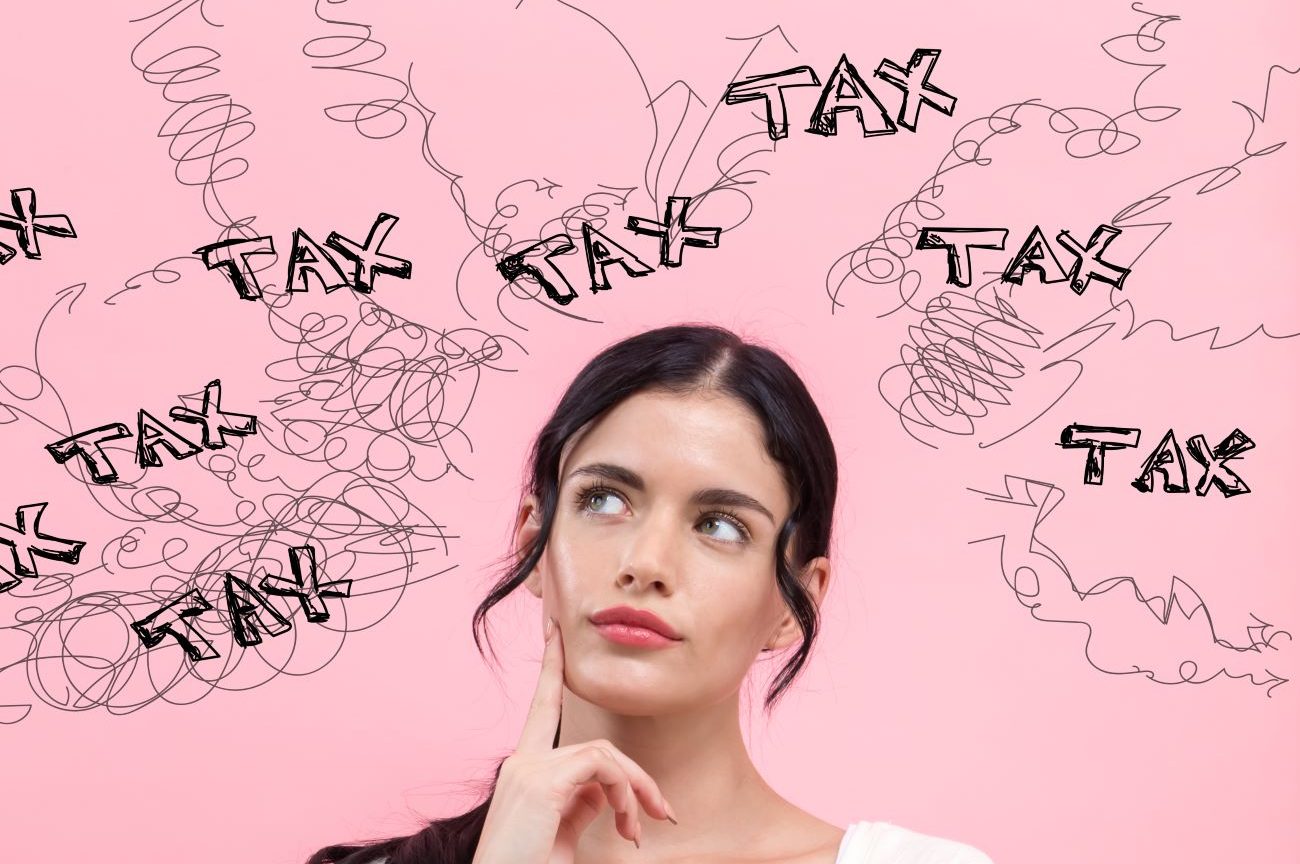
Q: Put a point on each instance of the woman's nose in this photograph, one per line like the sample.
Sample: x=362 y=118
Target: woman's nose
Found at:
x=652 y=557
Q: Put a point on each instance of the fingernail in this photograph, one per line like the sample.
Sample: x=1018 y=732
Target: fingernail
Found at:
x=669 y=808
x=550 y=628
x=637 y=838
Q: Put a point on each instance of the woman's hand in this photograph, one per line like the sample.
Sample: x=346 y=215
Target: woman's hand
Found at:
x=545 y=798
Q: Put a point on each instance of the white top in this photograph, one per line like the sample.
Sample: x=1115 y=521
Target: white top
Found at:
x=886 y=843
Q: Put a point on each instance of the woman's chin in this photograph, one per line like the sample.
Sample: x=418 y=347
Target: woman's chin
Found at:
x=612 y=686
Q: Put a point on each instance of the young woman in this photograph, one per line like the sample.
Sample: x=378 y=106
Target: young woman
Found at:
x=677 y=524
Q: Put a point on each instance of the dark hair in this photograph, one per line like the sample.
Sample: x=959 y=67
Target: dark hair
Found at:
x=678 y=359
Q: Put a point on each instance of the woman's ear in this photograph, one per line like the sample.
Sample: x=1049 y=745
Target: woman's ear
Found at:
x=815 y=577
x=528 y=524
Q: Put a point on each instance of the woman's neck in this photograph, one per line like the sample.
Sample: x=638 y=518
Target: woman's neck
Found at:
x=700 y=763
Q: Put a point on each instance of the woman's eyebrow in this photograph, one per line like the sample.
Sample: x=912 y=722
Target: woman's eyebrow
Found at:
x=706 y=497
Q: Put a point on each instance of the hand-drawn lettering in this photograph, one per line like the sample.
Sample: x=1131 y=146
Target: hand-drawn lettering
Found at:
x=24 y=540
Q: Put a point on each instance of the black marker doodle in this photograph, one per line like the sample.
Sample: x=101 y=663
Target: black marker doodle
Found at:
x=847 y=91
x=307 y=258
x=249 y=610
x=1087 y=259
x=174 y=620
x=204 y=127
x=24 y=540
x=152 y=434
x=602 y=250
x=305 y=586
x=771 y=89
x=674 y=233
x=1097 y=440
x=515 y=266
x=371 y=399
x=1036 y=255
x=959 y=242
x=1155 y=213
x=968 y=351
x=26 y=223
x=376 y=536
x=1118 y=618
x=515 y=252
x=212 y=419
x=367 y=261
x=234 y=261
x=1167 y=454
x=914 y=81
x=1088 y=133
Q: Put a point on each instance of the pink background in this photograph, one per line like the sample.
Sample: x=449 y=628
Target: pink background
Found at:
x=935 y=698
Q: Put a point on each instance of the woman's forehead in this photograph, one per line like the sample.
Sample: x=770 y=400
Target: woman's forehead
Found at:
x=711 y=439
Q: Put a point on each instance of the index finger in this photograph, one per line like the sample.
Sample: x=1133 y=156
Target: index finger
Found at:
x=544 y=713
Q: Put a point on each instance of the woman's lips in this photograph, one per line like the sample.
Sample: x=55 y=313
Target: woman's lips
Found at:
x=640 y=637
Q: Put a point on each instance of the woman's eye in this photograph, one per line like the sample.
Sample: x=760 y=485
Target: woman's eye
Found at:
x=593 y=500
x=600 y=498
x=737 y=535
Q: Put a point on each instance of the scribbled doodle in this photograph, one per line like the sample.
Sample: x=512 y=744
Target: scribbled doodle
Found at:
x=961 y=361
x=515 y=265
x=152 y=434
x=249 y=610
x=307 y=258
x=882 y=261
x=1087 y=260
x=602 y=251
x=373 y=399
x=914 y=82
x=25 y=540
x=1034 y=254
x=215 y=424
x=674 y=233
x=1258 y=179
x=1128 y=633
x=231 y=256
x=204 y=127
x=524 y=255
x=969 y=351
x=1166 y=459
x=27 y=225
x=958 y=242
x=846 y=91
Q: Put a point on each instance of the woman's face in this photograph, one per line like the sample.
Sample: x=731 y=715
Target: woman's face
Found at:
x=626 y=532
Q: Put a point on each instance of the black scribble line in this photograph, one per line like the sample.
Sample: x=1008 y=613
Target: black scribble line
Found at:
x=385 y=377
x=372 y=401
x=352 y=53
x=645 y=89
x=493 y=238
x=197 y=130
x=725 y=179
x=160 y=273
x=1089 y=132
x=1043 y=584
x=969 y=348
x=728 y=178
x=1201 y=183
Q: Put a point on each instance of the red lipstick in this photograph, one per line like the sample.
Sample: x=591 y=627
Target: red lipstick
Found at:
x=639 y=627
